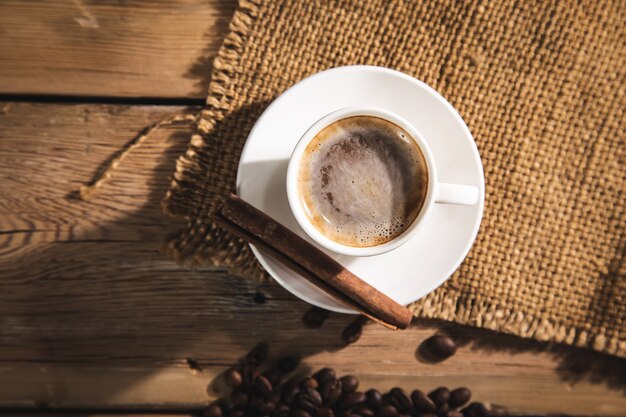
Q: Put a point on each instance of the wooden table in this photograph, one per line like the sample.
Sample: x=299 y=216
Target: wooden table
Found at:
x=95 y=320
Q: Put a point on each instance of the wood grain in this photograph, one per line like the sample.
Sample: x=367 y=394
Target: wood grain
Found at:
x=92 y=316
x=141 y=48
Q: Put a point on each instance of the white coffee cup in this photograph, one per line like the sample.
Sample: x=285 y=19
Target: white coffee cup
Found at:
x=437 y=193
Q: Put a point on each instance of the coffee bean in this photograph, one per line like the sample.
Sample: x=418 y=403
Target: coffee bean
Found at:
x=402 y=398
x=442 y=347
x=315 y=395
x=422 y=403
x=352 y=333
x=282 y=410
x=374 y=399
x=257 y=355
x=440 y=396
x=263 y=385
x=273 y=376
x=309 y=400
x=442 y=410
x=266 y=407
x=249 y=375
x=331 y=391
x=275 y=395
x=261 y=404
x=351 y=400
x=364 y=411
x=324 y=375
x=459 y=397
x=239 y=397
x=428 y=415
x=349 y=383
x=453 y=413
x=390 y=400
x=300 y=413
x=212 y=410
x=289 y=392
x=233 y=377
x=309 y=383
x=288 y=364
x=236 y=412
x=476 y=410
x=315 y=317
x=386 y=411
x=324 y=412
x=256 y=399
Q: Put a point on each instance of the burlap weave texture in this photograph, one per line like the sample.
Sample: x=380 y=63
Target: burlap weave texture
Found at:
x=541 y=86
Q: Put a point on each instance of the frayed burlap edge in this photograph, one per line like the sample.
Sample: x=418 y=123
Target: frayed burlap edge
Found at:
x=199 y=243
x=214 y=247
x=448 y=305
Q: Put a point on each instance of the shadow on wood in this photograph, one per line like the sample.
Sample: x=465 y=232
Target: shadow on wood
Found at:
x=93 y=316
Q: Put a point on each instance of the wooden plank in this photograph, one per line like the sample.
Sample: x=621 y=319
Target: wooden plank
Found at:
x=85 y=47
x=92 y=316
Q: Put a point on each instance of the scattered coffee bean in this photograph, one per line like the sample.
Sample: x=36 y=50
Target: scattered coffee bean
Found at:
x=386 y=411
x=300 y=413
x=239 y=397
x=331 y=391
x=351 y=400
x=352 y=333
x=256 y=400
x=236 y=412
x=263 y=385
x=422 y=403
x=324 y=412
x=390 y=399
x=374 y=398
x=273 y=377
x=364 y=411
x=441 y=347
x=212 y=410
x=315 y=317
x=233 y=377
x=309 y=382
x=288 y=364
x=402 y=399
x=309 y=400
x=266 y=407
x=442 y=410
x=249 y=375
x=282 y=410
x=349 y=383
x=459 y=397
x=289 y=392
x=324 y=394
x=476 y=410
x=324 y=375
x=440 y=396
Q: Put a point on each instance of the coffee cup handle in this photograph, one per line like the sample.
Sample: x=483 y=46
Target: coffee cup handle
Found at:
x=465 y=195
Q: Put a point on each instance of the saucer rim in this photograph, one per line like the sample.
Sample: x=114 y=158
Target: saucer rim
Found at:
x=468 y=136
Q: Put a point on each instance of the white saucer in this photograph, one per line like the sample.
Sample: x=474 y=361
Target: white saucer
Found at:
x=418 y=267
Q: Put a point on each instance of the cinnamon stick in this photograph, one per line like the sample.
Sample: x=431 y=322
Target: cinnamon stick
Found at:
x=257 y=228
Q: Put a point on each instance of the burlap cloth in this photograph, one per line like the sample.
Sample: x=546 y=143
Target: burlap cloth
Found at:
x=542 y=88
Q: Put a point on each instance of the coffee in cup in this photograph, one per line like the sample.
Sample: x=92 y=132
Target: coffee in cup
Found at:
x=362 y=181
